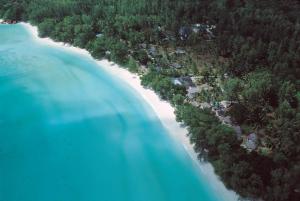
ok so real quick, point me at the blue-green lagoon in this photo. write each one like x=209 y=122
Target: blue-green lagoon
x=69 y=131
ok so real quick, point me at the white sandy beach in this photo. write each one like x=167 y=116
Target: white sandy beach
x=163 y=110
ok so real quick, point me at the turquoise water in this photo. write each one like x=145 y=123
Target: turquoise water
x=71 y=132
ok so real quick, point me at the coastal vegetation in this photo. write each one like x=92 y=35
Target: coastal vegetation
x=244 y=52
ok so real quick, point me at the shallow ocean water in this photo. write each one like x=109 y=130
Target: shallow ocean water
x=71 y=132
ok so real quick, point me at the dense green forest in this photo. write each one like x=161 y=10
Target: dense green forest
x=254 y=51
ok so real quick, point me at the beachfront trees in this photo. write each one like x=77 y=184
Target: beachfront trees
x=141 y=56
x=98 y=47
x=119 y=52
x=83 y=34
x=162 y=85
x=46 y=28
x=132 y=65
x=178 y=99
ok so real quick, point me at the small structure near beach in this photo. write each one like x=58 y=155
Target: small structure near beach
x=251 y=142
x=143 y=46
x=184 y=32
x=176 y=81
x=152 y=51
x=180 y=51
x=185 y=81
x=99 y=35
x=238 y=131
x=176 y=65
x=226 y=104
x=199 y=28
x=205 y=105
x=188 y=83
x=192 y=92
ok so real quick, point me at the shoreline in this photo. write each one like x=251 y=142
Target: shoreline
x=162 y=109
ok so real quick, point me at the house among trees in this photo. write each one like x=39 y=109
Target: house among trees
x=184 y=33
x=251 y=142
x=152 y=51
x=238 y=131
x=143 y=46
x=203 y=87
x=204 y=105
x=176 y=65
x=204 y=28
x=176 y=81
x=226 y=104
x=196 y=28
x=188 y=83
x=222 y=107
x=192 y=92
x=180 y=51
x=99 y=35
